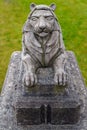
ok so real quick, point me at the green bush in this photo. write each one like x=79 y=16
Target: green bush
x=72 y=15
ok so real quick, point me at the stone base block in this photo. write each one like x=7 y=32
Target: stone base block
x=55 y=112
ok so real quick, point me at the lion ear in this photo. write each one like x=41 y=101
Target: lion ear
x=53 y=6
x=32 y=6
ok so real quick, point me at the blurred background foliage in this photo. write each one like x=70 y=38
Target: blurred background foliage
x=72 y=15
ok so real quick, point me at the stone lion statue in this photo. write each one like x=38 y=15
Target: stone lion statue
x=43 y=45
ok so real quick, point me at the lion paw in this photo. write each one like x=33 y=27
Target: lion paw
x=30 y=79
x=60 y=77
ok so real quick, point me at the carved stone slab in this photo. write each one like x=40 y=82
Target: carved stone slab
x=55 y=112
x=47 y=109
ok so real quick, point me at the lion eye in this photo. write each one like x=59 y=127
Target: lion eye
x=34 y=18
x=49 y=18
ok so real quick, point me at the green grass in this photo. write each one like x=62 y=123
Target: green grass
x=72 y=15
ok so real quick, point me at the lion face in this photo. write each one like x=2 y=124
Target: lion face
x=42 y=22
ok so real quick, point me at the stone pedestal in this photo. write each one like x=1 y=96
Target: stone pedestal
x=45 y=106
x=47 y=103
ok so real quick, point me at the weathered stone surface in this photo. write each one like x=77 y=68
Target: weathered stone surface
x=65 y=115
x=29 y=116
x=12 y=87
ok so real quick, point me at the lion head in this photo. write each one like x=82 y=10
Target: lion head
x=42 y=20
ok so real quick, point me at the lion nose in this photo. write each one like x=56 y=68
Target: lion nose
x=42 y=24
x=42 y=28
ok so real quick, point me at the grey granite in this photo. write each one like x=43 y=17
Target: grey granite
x=10 y=94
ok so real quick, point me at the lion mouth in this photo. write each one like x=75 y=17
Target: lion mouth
x=43 y=34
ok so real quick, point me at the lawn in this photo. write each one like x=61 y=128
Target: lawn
x=72 y=15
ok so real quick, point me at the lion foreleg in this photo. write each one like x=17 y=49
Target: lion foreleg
x=30 y=78
x=60 y=76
